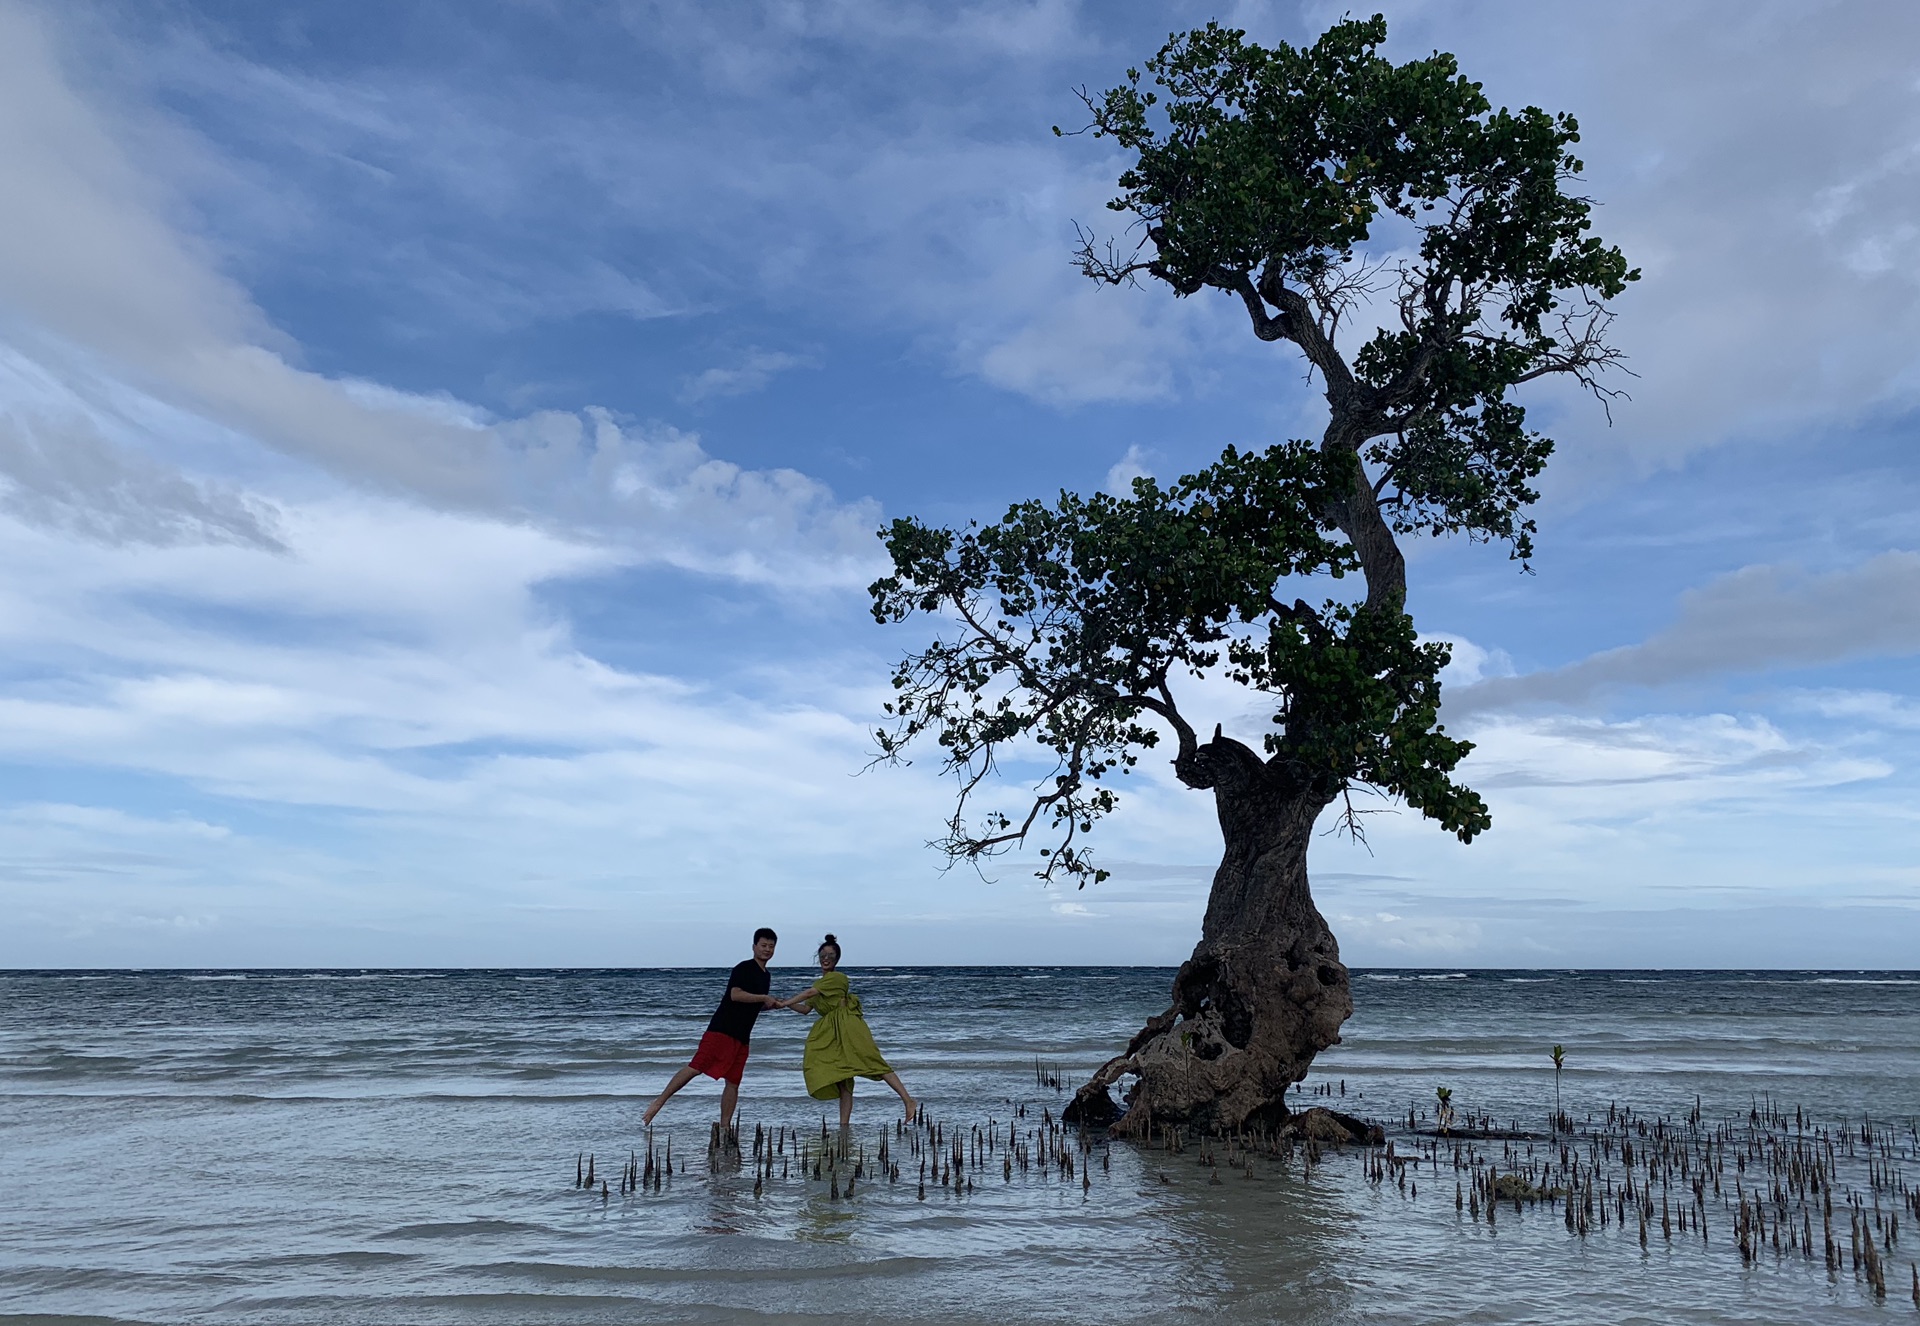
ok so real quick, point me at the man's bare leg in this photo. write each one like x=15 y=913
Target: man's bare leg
x=680 y=1079
x=899 y=1089
x=846 y=1104
x=729 y=1096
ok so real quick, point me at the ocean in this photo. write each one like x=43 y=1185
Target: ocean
x=403 y=1146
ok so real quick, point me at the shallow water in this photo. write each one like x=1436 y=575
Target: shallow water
x=400 y=1147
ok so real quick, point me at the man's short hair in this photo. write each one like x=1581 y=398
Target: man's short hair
x=765 y=932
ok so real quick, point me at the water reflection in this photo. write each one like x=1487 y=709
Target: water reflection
x=824 y=1221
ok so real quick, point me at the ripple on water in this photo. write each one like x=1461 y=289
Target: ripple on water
x=461 y=1229
x=380 y=1148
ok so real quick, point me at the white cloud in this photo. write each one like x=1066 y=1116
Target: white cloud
x=1664 y=840
x=1410 y=940
x=1651 y=761
x=104 y=822
x=255 y=586
x=1758 y=164
x=392 y=684
x=436 y=643
x=62 y=472
x=1760 y=171
x=702 y=188
x=1879 y=709
x=1757 y=618
x=1122 y=473
x=117 y=314
x=753 y=371
x=1470 y=663
x=1082 y=345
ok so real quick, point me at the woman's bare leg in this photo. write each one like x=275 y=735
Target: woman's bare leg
x=846 y=1104
x=913 y=1106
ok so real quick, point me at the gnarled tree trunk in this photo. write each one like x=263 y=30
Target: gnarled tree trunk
x=1264 y=991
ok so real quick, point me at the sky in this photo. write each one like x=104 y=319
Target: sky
x=441 y=447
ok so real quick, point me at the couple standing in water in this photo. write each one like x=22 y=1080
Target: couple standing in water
x=839 y=1046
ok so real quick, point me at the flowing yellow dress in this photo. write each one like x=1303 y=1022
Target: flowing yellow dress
x=839 y=1046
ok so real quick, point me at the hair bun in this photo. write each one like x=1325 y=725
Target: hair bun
x=831 y=940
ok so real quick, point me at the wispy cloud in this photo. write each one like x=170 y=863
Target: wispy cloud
x=1758 y=618
x=753 y=371
x=121 y=315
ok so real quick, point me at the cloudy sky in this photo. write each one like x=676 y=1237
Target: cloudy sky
x=441 y=444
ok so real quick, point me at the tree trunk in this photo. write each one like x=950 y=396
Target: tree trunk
x=1264 y=991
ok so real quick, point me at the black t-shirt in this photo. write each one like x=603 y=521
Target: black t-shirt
x=734 y=1018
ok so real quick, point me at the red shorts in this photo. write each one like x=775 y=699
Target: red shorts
x=720 y=1055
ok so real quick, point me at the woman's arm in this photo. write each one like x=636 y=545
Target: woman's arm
x=800 y=1003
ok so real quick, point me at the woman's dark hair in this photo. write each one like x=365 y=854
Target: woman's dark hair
x=831 y=943
x=765 y=932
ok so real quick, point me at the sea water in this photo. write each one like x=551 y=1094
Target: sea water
x=372 y=1146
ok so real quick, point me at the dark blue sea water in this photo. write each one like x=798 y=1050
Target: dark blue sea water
x=400 y=1147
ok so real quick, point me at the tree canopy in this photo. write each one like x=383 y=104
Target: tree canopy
x=1259 y=171
x=1320 y=187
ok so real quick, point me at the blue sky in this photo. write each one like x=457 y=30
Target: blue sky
x=440 y=450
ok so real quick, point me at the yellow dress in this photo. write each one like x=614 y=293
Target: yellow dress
x=839 y=1046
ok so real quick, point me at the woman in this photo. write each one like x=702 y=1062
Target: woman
x=839 y=1047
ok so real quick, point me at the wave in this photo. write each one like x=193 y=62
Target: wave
x=359 y=976
x=70 y=1319
x=565 y=1271
x=356 y=1257
x=463 y=1229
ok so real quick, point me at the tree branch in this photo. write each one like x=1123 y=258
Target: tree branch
x=1304 y=330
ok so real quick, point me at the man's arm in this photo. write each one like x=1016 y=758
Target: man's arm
x=740 y=996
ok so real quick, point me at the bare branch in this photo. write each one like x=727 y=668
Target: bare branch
x=1585 y=354
x=1349 y=822
x=1338 y=289
x=1110 y=268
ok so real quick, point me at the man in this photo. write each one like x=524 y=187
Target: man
x=723 y=1050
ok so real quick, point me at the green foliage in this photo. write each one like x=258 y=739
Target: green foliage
x=1261 y=171
x=1073 y=620
x=1281 y=176
x=1360 y=703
